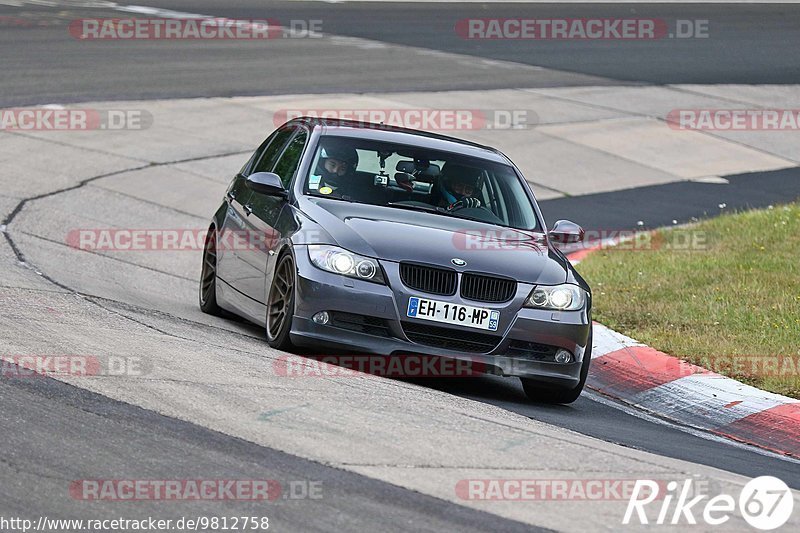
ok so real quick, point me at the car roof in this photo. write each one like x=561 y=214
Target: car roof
x=388 y=133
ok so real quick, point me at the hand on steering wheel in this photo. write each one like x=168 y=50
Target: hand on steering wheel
x=465 y=203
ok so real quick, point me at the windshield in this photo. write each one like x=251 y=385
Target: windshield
x=411 y=177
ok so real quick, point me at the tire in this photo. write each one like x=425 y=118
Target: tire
x=540 y=392
x=280 y=304
x=208 y=275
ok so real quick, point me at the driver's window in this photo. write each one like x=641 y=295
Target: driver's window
x=290 y=159
x=270 y=154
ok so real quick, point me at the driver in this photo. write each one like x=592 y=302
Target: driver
x=335 y=169
x=458 y=185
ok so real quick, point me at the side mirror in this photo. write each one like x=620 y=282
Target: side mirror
x=565 y=232
x=267 y=183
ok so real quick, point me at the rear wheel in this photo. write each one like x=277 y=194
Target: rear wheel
x=540 y=392
x=208 y=275
x=280 y=304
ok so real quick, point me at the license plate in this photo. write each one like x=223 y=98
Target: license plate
x=462 y=315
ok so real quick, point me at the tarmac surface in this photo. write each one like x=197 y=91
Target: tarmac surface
x=209 y=403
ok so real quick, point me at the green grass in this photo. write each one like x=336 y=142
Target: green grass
x=730 y=302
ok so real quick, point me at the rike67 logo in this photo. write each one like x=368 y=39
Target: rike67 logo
x=765 y=503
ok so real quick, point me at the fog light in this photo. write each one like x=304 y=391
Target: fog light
x=563 y=356
x=321 y=318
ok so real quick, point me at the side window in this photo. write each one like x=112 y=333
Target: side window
x=270 y=154
x=290 y=160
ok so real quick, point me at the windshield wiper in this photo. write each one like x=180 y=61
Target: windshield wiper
x=445 y=212
x=416 y=207
x=437 y=211
x=456 y=214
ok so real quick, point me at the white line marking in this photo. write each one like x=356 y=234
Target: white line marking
x=643 y=415
x=605 y=340
x=708 y=400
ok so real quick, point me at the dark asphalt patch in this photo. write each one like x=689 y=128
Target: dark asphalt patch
x=683 y=201
x=52 y=434
x=747 y=44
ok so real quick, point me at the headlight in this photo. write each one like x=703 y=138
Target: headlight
x=340 y=261
x=564 y=297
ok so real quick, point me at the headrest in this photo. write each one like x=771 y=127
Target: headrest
x=420 y=169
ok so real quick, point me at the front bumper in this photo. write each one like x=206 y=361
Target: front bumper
x=318 y=290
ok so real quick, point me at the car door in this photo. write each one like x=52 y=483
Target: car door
x=232 y=265
x=264 y=221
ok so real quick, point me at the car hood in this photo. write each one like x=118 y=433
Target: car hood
x=394 y=234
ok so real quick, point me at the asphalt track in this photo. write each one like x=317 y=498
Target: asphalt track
x=730 y=57
x=682 y=202
x=751 y=44
x=126 y=441
x=48 y=426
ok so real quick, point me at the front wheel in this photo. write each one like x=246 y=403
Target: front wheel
x=537 y=391
x=280 y=304
x=208 y=275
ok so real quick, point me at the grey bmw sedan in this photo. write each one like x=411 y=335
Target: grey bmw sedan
x=340 y=235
